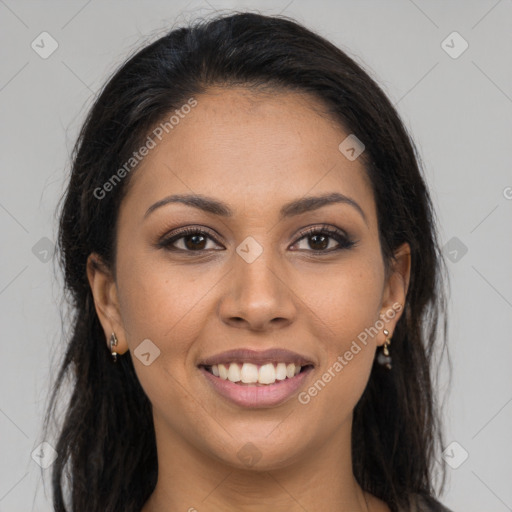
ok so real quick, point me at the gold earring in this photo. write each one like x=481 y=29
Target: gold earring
x=384 y=358
x=113 y=343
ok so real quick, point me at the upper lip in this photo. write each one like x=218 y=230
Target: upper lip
x=245 y=355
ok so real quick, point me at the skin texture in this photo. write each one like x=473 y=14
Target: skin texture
x=255 y=152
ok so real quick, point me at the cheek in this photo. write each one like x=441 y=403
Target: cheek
x=160 y=304
x=158 y=301
x=346 y=305
x=346 y=300
x=348 y=350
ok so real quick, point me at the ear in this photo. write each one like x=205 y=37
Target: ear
x=395 y=290
x=104 y=291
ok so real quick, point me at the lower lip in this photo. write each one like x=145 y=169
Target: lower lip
x=257 y=396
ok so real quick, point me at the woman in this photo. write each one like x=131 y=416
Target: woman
x=252 y=258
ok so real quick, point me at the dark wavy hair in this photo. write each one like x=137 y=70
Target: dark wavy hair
x=396 y=424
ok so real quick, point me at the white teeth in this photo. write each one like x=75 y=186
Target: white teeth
x=281 y=371
x=267 y=374
x=234 y=373
x=249 y=373
x=223 y=371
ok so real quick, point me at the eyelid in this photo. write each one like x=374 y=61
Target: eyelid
x=328 y=228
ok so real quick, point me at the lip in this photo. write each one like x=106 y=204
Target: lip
x=252 y=396
x=258 y=357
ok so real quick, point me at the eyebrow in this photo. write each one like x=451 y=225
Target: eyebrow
x=291 y=209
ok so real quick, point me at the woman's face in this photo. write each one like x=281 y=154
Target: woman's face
x=253 y=280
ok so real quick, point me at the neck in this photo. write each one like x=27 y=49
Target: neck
x=192 y=480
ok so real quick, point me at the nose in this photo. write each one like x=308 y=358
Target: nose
x=258 y=296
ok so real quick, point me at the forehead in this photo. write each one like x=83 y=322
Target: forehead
x=250 y=146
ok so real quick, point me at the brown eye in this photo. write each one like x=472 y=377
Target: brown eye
x=190 y=240
x=193 y=242
x=318 y=240
x=321 y=239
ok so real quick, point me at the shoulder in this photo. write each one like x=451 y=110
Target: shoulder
x=423 y=503
x=417 y=503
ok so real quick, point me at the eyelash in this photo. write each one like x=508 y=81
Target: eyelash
x=343 y=240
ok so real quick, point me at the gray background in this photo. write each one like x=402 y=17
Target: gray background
x=458 y=110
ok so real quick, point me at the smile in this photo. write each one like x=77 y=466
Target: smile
x=249 y=373
x=250 y=385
